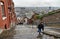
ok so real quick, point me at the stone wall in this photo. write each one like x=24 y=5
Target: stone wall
x=52 y=18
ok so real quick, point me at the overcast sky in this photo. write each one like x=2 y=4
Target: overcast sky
x=36 y=3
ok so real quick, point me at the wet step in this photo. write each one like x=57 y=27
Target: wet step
x=52 y=33
x=24 y=32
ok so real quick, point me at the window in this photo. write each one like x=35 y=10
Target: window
x=3 y=12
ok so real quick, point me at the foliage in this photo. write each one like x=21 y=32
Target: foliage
x=44 y=15
x=39 y=17
x=50 y=13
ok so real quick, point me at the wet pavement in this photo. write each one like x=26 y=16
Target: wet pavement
x=24 y=32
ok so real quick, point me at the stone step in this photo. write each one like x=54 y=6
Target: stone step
x=52 y=33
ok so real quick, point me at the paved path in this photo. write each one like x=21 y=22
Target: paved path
x=24 y=32
x=27 y=32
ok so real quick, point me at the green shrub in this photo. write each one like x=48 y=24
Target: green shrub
x=50 y=13
x=39 y=17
